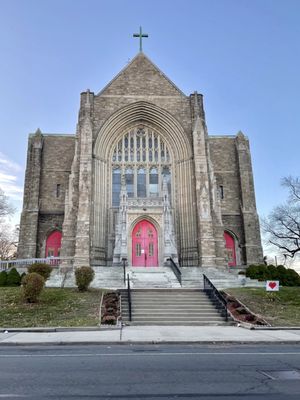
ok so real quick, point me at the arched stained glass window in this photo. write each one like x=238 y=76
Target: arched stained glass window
x=141 y=183
x=116 y=186
x=129 y=178
x=153 y=182
x=143 y=158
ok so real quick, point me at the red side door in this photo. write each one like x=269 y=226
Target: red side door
x=230 y=249
x=53 y=244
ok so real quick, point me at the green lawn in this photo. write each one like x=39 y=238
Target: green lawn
x=278 y=308
x=56 y=307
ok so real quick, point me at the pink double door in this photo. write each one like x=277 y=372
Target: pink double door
x=144 y=245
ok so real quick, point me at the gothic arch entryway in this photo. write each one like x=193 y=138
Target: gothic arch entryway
x=144 y=245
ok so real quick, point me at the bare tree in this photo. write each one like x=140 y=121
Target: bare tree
x=8 y=238
x=282 y=226
x=8 y=242
x=5 y=208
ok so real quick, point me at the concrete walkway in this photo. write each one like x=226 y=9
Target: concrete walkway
x=153 y=334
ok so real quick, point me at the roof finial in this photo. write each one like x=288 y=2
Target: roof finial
x=140 y=35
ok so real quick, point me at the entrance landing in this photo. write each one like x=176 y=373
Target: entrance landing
x=152 y=277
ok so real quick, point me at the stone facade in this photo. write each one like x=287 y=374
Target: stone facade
x=70 y=183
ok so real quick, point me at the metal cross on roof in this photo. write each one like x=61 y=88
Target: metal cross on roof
x=140 y=35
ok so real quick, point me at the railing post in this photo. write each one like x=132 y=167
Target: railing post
x=124 y=269
x=129 y=297
x=214 y=293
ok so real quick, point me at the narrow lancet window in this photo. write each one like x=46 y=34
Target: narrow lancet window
x=116 y=186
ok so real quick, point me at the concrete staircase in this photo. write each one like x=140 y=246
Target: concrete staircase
x=113 y=278
x=105 y=277
x=155 y=278
x=222 y=278
x=170 y=307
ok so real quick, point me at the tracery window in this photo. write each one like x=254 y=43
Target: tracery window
x=143 y=158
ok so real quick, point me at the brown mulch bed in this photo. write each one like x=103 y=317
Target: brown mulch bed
x=241 y=313
x=110 y=310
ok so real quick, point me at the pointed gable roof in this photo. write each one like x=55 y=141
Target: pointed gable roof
x=141 y=77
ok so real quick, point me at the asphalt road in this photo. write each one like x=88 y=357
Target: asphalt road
x=150 y=372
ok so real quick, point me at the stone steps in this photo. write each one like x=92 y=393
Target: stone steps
x=155 y=278
x=152 y=277
x=170 y=307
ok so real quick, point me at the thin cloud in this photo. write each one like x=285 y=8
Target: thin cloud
x=6 y=177
x=9 y=178
x=7 y=164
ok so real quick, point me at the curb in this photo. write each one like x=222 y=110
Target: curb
x=61 y=329
x=152 y=342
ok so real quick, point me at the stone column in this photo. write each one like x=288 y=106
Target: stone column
x=71 y=208
x=85 y=143
x=206 y=232
x=253 y=248
x=27 y=247
x=121 y=231
x=217 y=216
x=170 y=246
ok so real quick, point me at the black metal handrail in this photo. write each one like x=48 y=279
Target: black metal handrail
x=124 y=269
x=175 y=269
x=213 y=292
x=129 y=297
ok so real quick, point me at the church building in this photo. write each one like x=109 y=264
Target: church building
x=140 y=180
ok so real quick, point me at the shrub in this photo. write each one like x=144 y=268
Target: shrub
x=32 y=284
x=84 y=276
x=286 y=277
x=291 y=278
x=22 y=276
x=3 y=278
x=13 y=278
x=272 y=272
x=257 y=272
x=42 y=269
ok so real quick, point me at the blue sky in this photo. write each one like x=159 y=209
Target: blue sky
x=242 y=55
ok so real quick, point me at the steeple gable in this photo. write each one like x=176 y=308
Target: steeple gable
x=141 y=77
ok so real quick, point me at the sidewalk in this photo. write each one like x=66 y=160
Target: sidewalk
x=153 y=334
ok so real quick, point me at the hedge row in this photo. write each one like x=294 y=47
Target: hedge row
x=285 y=276
x=11 y=278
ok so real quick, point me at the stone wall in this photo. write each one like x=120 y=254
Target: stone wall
x=49 y=161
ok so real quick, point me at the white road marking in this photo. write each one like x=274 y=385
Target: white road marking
x=145 y=353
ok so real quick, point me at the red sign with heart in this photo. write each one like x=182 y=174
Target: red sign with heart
x=272 y=285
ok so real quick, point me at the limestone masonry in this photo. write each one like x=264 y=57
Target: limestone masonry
x=142 y=180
